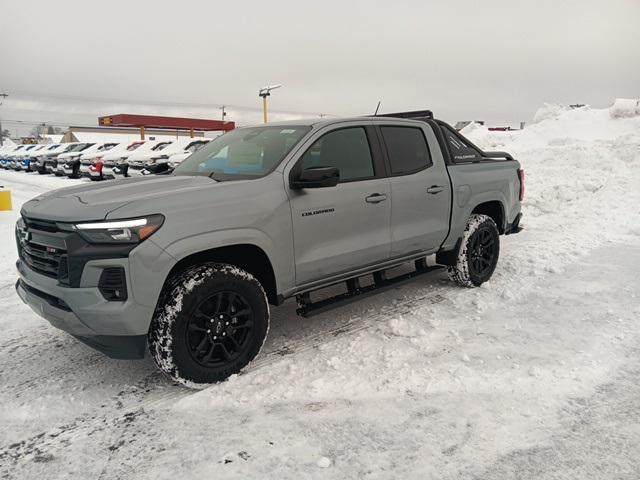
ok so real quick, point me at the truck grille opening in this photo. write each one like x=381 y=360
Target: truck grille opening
x=46 y=259
x=113 y=284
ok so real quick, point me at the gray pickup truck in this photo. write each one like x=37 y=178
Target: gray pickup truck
x=186 y=264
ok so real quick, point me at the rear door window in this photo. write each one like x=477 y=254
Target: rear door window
x=407 y=149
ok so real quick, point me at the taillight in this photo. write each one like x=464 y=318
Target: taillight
x=521 y=177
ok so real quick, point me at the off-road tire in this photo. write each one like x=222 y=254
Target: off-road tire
x=181 y=303
x=465 y=272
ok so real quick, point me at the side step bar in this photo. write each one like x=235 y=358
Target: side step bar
x=307 y=308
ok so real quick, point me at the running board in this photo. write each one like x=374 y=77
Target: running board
x=307 y=308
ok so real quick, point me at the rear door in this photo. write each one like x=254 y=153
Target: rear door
x=420 y=189
x=342 y=228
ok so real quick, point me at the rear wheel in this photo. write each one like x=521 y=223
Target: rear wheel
x=479 y=252
x=210 y=324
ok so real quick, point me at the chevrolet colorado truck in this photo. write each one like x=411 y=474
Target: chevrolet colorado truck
x=185 y=265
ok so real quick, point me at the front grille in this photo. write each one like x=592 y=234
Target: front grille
x=44 y=225
x=42 y=253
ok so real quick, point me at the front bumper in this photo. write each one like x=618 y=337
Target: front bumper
x=116 y=328
x=135 y=170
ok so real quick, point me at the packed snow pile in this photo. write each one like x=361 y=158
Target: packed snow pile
x=624 y=108
x=549 y=111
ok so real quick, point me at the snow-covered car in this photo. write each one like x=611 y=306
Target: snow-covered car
x=32 y=161
x=119 y=167
x=21 y=160
x=137 y=160
x=39 y=162
x=7 y=152
x=69 y=163
x=104 y=169
x=171 y=156
x=90 y=156
x=51 y=161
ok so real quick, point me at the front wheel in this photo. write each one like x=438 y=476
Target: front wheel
x=211 y=322
x=478 y=254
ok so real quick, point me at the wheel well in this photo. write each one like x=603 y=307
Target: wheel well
x=246 y=256
x=494 y=210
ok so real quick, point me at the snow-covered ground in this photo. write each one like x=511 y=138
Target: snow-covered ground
x=535 y=374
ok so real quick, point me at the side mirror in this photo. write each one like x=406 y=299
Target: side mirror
x=466 y=155
x=316 y=177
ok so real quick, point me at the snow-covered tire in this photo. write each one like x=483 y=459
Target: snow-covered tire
x=213 y=306
x=479 y=252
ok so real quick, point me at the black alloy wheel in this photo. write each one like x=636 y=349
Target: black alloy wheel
x=220 y=330
x=482 y=252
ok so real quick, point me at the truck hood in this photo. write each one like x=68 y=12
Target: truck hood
x=90 y=201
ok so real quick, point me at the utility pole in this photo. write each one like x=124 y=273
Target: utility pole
x=265 y=92
x=224 y=114
x=2 y=97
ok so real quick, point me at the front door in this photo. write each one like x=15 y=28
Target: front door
x=342 y=228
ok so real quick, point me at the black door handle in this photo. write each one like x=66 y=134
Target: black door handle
x=433 y=189
x=376 y=198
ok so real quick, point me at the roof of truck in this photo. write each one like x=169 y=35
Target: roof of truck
x=318 y=122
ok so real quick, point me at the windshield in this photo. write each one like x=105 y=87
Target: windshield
x=161 y=146
x=250 y=152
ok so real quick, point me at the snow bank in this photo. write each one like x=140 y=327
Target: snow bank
x=624 y=108
x=549 y=111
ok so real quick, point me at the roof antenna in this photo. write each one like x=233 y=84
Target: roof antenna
x=375 y=114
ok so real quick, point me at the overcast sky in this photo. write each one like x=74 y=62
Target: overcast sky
x=69 y=61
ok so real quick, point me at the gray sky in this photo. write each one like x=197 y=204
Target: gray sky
x=67 y=61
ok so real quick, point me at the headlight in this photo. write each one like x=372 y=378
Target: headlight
x=133 y=230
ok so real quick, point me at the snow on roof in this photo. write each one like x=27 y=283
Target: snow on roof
x=131 y=136
x=8 y=142
x=52 y=139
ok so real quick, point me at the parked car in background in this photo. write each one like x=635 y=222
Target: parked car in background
x=38 y=163
x=71 y=156
x=51 y=163
x=89 y=156
x=104 y=168
x=19 y=163
x=172 y=155
x=73 y=163
x=137 y=160
x=7 y=152
x=121 y=168
x=31 y=161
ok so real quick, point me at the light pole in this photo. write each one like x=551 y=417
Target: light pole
x=265 y=92
x=2 y=97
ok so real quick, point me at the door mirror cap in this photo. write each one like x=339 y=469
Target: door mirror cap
x=316 y=177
